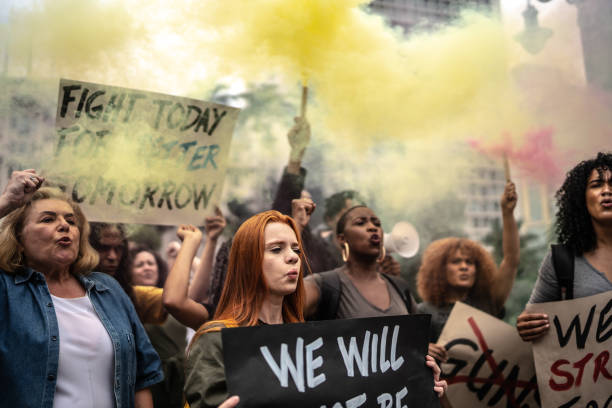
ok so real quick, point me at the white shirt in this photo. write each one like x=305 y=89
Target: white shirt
x=86 y=358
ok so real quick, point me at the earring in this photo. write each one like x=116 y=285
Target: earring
x=345 y=252
x=383 y=253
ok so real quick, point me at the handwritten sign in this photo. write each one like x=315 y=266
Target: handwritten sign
x=573 y=358
x=371 y=362
x=133 y=156
x=488 y=365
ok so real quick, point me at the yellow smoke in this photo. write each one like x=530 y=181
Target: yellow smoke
x=380 y=102
x=370 y=81
x=70 y=32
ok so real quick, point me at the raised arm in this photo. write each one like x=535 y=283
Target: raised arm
x=298 y=137
x=19 y=190
x=292 y=181
x=175 y=298
x=511 y=247
x=213 y=226
x=301 y=211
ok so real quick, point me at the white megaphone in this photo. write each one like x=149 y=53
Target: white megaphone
x=403 y=240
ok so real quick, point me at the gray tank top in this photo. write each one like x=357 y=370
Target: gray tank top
x=352 y=304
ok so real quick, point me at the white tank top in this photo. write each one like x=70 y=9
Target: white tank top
x=86 y=358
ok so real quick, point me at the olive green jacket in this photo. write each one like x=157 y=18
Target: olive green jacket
x=205 y=385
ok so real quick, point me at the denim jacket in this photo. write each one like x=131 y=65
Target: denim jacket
x=29 y=339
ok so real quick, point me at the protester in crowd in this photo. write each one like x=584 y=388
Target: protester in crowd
x=199 y=289
x=459 y=269
x=291 y=199
x=335 y=205
x=148 y=267
x=111 y=243
x=69 y=336
x=582 y=264
x=171 y=252
x=168 y=338
x=264 y=286
x=144 y=282
x=357 y=288
x=175 y=295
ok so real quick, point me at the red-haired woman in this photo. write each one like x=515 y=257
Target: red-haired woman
x=458 y=269
x=263 y=286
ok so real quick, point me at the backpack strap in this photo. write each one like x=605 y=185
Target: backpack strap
x=401 y=287
x=563 y=263
x=329 y=297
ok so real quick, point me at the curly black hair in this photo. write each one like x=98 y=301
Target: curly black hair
x=573 y=226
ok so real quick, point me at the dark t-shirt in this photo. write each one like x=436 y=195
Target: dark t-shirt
x=439 y=315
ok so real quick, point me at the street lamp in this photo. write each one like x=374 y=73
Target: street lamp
x=533 y=37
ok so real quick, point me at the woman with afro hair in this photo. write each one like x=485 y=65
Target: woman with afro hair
x=584 y=229
x=459 y=269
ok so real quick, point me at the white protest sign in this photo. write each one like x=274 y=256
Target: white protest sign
x=488 y=365
x=133 y=156
x=573 y=358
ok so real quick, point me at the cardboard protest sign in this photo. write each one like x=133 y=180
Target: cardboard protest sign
x=133 y=156
x=372 y=362
x=488 y=365
x=573 y=358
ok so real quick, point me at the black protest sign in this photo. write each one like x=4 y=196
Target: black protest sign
x=488 y=364
x=127 y=155
x=370 y=362
x=573 y=359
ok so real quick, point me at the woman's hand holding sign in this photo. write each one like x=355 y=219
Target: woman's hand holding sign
x=440 y=386
x=231 y=402
x=532 y=326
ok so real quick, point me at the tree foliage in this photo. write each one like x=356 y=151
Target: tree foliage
x=532 y=251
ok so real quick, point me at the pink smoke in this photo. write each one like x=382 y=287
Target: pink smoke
x=537 y=159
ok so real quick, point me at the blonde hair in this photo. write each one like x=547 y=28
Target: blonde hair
x=11 y=250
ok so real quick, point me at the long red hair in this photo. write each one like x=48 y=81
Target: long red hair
x=245 y=286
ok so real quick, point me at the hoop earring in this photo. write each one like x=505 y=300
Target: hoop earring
x=383 y=254
x=345 y=252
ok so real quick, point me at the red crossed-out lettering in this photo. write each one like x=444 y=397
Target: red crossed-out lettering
x=497 y=378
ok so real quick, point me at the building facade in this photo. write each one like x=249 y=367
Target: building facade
x=409 y=14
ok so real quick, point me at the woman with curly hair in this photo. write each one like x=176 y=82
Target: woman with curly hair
x=459 y=269
x=584 y=228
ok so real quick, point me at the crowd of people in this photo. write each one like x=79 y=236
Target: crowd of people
x=91 y=320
